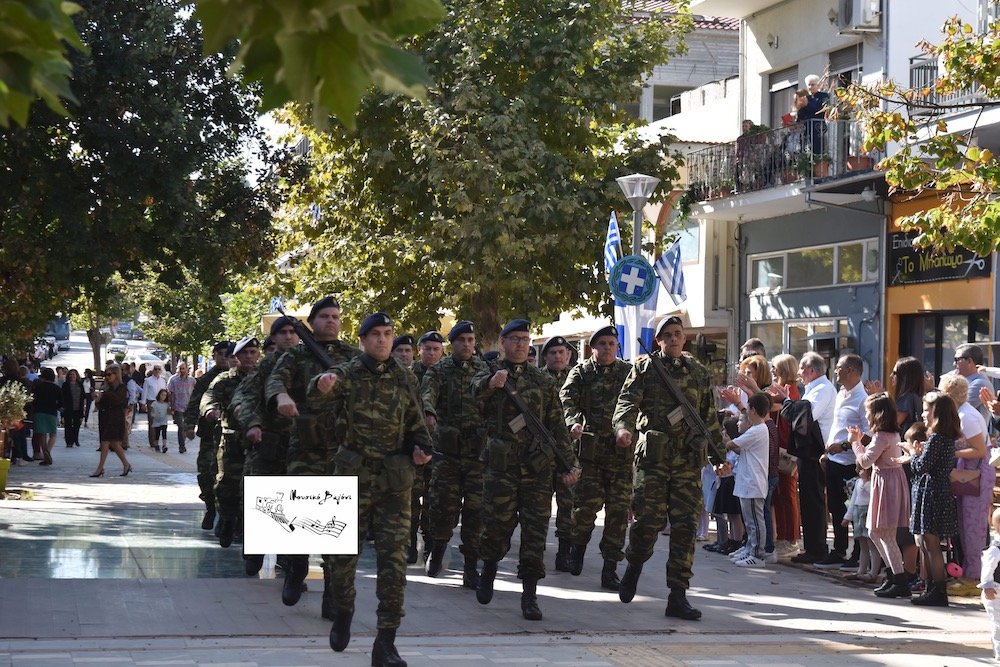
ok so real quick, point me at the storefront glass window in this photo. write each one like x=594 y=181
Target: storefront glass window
x=768 y=273
x=849 y=263
x=810 y=268
x=871 y=260
x=771 y=333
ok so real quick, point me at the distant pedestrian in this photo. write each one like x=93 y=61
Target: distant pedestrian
x=112 y=424
x=159 y=414
x=88 y=394
x=46 y=401
x=151 y=387
x=73 y=400
x=180 y=387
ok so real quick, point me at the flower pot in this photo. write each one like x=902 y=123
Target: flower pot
x=859 y=163
x=821 y=169
x=789 y=177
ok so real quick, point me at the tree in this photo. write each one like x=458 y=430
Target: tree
x=491 y=200
x=148 y=179
x=930 y=156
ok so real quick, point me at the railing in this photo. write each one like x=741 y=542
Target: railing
x=812 y=151
x=923 y=76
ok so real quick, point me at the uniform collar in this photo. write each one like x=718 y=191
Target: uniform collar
x=374 y=366
x=515 y=369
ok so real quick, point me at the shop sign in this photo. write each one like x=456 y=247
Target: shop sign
x=909 y=265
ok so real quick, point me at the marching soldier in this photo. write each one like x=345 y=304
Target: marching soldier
x=216 y=405
x=311 y=445
x=556 y=354
x=402 y=349
x=455 y=418
x=517 y=481
x=589 y=397
x=669 y=458
x=373 y=401
x=266 y=432
x=208 y=432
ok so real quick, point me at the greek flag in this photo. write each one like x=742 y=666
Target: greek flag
x=668 y=268
x=612 y=246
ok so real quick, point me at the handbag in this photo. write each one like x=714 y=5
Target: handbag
x=962 y=486
x=787 y=464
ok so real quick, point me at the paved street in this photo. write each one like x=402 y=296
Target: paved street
x=117 y=571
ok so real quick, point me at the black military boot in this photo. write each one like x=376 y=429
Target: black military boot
x=609 y=577
x=227 y=529
x=208 y=522
x=436 y=560
x=411 y=551
x=252 y=564
x=295 y=575
x=340 y=633
x=384 y=653
x=575 y=560
x=562 y=556
x=628 y=583
x=679 y=607
x=485 y=591
x=470 y=576
x=529 y=601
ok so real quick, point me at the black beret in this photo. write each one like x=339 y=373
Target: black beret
x=221 y=345
x=431 y=337
x=532 y=352
x=515 y=325
x=492 y=355
x=374 y=320
x=325 y=302
x=609 y=330
x=461 y=327
x=555 y=341
x=231 y=349
x=267 y=343
x=280 y=323
x=405 y=339
x=673 y=319
x=244 y=343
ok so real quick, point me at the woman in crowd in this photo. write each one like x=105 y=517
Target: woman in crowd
x=786 y=496
x=74 y=398
x=88 y=394
x=46 y=399
x=111 y=405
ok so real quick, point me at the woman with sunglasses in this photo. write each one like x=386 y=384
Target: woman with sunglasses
x=112 y=402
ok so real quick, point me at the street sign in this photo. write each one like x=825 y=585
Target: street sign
x=632 y=280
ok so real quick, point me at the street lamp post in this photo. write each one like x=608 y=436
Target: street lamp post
x=637 y=188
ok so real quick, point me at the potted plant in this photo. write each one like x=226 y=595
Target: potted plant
x=13 y=397
x=859 y=163
x=821 y=165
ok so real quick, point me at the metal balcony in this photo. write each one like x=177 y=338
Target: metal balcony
x=808 y=152
x=923 y=76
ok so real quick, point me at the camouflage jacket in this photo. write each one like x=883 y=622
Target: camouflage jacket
x=219 y=396
x=590 y=393
x=192 y=415
x=447 y=394
x=372 y=408
x=253 y=411
x=645 y=403
x=297 y=366
x=540 y=395
x=420 y=371
x=558 y=377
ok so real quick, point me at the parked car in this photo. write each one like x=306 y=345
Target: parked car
x=138 y=335
x=63 y=346
x=118 y=345
x=147 y=358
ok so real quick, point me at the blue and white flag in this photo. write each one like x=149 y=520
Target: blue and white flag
x=668 y=268
x=612 y=245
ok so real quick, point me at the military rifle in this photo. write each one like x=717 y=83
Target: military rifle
x=315 y=349
x=691 y=417
x=418 y=406
x=543 y=437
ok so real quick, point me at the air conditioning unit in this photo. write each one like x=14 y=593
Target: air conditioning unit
x=860 y=16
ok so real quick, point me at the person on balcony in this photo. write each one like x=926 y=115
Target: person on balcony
x=812 y=115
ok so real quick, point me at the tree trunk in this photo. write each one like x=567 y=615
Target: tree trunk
x=488 y=320
x=96 y=341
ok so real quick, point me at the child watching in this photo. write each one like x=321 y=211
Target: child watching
x=751 y=476
x=159 y=412
x=870 y=562
x=989 y=581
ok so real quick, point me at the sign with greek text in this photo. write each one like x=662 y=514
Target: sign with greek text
x=908 y=265
x=300 y=515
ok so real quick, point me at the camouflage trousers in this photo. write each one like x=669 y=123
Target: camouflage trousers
x=310 y=461
x=420 y=503
x=208 y=465
x=457 y=490
x=515 y=495
x=229 y=479
x=564 y=508
x=390 y=511
x=605 y=482
x=267 y=459
x=667 y=490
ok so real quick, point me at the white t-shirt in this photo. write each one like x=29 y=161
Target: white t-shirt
x=972 y=422
x=751 y=472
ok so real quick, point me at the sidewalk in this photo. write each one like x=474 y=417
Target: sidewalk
x=118 y=571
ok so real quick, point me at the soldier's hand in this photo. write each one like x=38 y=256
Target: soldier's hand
x=498 y=380
x=576 y=431
x=189 y=434
x=572 y=477
x=235 y=409
x=420 y=457
x=624 y=438
x=325 y=382
x=212 y=415
x=254 y=435
x=431 y=422
x=286 y=406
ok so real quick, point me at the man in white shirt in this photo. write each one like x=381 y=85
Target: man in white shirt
x=968 y=359
x=151 y=386
x=849 y=411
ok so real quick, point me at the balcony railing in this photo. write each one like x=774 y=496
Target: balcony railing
x=923 y=76
x=811 y=152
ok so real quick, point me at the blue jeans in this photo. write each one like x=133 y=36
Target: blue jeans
x=772 y=484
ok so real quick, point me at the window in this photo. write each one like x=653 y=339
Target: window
x=688 y=236
x=666 y=101
x=800 y=336
x=847 y=263
x=782 y=85
x=772 y=334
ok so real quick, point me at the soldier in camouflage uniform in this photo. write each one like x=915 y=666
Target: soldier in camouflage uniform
x=669 y=459
x=265 y=432
x=517 y=481
x=402 y=350
x=430 y=345
x=208 y=432
x=311 y=445
x=216 y=405
x=373 y=402
x=556 y=353
x=456 y=420
x=589 y=397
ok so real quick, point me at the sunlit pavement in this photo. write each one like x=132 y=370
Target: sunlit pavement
x=117 y=571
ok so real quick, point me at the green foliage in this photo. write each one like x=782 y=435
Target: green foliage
x=243 y=311
x=13 y=398
x=34 y=35
x=326 y=53
x=182 y=317
x=491 y=200
x=931 y=158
